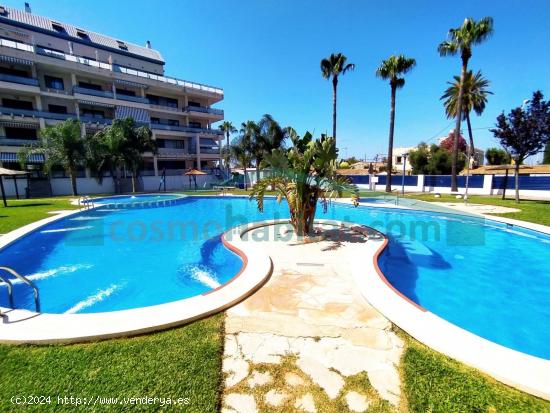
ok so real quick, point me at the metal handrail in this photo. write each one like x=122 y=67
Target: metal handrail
x=10 y=289
x=24 y=280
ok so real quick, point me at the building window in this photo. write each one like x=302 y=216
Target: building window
x=125 y=92
x=195 y=125
x=87 y=85
x=53 y=82
x=399 y=159
x=20 y=133
x=17 y=104
x=82 y=35
x=94 y=113
x=173 y=122
x=57 y=109
x=58 y=28
x=13 y=72
x=155 y=121
x=194 y=104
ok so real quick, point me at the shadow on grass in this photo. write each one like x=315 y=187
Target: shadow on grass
x=30 y=205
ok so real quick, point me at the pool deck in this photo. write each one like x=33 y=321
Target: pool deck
x=298 y=341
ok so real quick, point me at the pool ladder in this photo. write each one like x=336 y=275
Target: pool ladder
x=24 y=280
x=85 y=202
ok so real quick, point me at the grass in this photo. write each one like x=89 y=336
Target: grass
x=21 y=212
x=435 y=383
x=532 y=211
x=184 y=362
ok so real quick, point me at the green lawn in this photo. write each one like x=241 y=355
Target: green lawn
x=181 y=363
x=532 y=211
x=21 y=212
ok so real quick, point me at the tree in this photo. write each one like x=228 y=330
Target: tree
x=117 y=146
x=474 y=97
x=432 y=160
x=497 y=156
x=524 y=131
x=334 y=66
x=449 y=141
x=62 y=144
x=227 y=128
x=304 y=175
x=269 y=136
x=344 y=165
x=546 y=157
x=461 y=40
x=419 y=159
x=391 y=69
x=241 y=152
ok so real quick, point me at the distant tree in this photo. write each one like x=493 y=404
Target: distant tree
x=393 y=69
x=432 y=160
x=546 y=157
x=474 y=98
x=497 y=156
x=525 y=131
x=227 y=128
x=62 y=145
x=332 y=67
x=419 y=159
x=461 y=40
x=343 y=165
x=241 y=151
x=448 y=143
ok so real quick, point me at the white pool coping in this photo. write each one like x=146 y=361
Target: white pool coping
x=23 y=326
x=525 y=372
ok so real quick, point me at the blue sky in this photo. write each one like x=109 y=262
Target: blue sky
x=266 y=53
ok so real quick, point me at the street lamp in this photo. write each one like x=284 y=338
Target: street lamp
x=404 y=155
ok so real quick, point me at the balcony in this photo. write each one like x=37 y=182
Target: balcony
x=210 y=151
x=93 y=92
x=162 y=126
x=93 y=119
x=4 y=141
x=171 y=152
x=129 y=98
x=19 y=112
x=30 y=81
x=200 y=109
x=58 y=116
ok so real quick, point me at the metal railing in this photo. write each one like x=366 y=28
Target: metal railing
x=93 y=92
x=19 y=112
x=30 y=81
x=186 y=129
x=23 y=279
x=85 y=202
x=93 y=119
x=112 y=67
x=5 y=141
x=129 y=98
x=201 y=109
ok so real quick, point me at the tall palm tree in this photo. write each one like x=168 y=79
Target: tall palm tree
x=227 y=128
x=333 y=67
x=391 y=69
x=474 y=97
x=461 y=40
x=241 y=150
x=269 y=135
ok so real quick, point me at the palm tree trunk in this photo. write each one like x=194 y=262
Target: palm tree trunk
x=516 y=169
x=470 y=135
x=244 y=166
x=334 y=97
x=72 y=173
x=469 y=153
x=454 y=186
x=227 y=159
x=134 y=182
x=390 y=140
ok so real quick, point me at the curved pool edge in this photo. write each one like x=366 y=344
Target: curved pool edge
x=522 y=371
x=27 y=327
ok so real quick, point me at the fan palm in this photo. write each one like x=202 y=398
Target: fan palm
x=391 y=69
x=241 y=150
x=474 y=97
x=461 y=40
x=334 y=66
x=227 y=128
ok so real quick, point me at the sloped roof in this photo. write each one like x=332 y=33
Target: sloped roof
x=23 y=18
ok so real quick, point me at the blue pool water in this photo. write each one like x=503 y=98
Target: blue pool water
x=486 y=277
x=133 y=199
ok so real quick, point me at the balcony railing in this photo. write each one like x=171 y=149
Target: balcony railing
x=93 y=92
x=201 y=109
x=163 y=126
x=30 y=81
x=114 y=68
x=19 y=112
x=132 y=98
x=4 y=141
x=93 y=119
x=210 y=151
x=172 y=152
x=58 y=116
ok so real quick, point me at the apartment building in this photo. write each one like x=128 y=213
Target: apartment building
x=51 y=71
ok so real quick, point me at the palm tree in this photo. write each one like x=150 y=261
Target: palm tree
x=241 y=151
x=227 y=128
x=391 y=69
x=461 y=40
x=474 y=97
x=138 y=141
x=267 y=135
x=304 y=175
x=61 y=144
x=333 y=67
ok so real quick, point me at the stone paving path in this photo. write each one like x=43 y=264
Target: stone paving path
x=307 y=341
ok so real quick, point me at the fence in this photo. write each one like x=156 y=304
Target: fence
x=529 y=185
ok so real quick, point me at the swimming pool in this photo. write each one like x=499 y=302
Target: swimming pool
x=483 y=276
x=133 y=199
